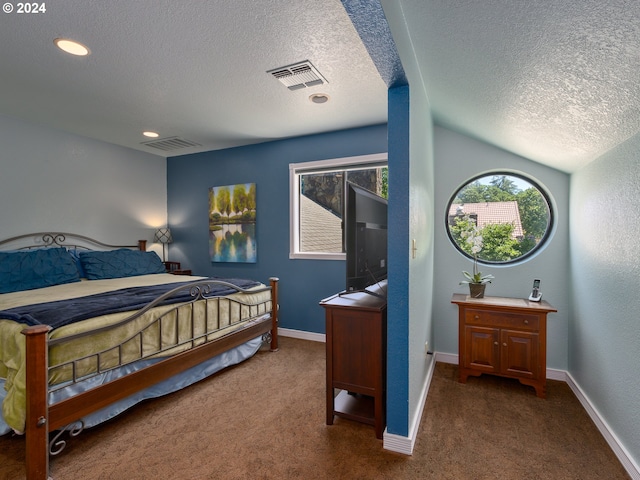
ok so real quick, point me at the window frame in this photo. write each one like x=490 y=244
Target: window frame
x=359 y=162
x=544 y=241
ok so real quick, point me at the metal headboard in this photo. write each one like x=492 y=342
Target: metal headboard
x=30 y=241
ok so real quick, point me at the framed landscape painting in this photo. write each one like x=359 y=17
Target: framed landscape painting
x=232 y=223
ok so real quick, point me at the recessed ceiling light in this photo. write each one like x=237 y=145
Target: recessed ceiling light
x=319 y=98
x=151 y=134
x=69 y=46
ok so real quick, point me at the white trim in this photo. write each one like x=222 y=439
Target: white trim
x=317 y=256
x=554 y=374
x=397 y=443
x=446 y=358
x=314 y=337
x=610 y=437
x=339 y=162
x=294 y=208
x=400 y=444
x=297 y=169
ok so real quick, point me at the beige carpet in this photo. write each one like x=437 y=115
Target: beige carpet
x=265 y=419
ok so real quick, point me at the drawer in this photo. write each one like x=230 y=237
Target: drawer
x=501 y=319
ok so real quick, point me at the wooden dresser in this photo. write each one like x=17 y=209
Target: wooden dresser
x=503 y=336
x=356 y=343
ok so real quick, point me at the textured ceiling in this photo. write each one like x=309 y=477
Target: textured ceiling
x=555 y=81
x=190 y=69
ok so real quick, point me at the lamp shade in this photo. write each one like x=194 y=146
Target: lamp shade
x=163 y=235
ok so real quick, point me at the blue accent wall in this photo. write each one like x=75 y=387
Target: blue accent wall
x=303 y=283
x=398 y=272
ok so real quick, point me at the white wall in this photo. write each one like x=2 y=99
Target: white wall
x=421 y=260
x=604 y=332
x=51 y=180
x=457 y=159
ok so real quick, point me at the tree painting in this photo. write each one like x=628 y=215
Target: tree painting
x=232 y=223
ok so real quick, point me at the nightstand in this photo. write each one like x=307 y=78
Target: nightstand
x=505 y=337
x=181 y=272
x=174 y=268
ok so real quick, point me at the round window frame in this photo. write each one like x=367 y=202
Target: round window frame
x=531 y=253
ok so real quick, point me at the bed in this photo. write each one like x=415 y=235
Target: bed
x=89 y=329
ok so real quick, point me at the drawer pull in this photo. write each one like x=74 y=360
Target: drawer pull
x=477 y=317
x=526 y=322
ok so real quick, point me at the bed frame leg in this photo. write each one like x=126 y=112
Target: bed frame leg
x=37 y=413
x=274 y=313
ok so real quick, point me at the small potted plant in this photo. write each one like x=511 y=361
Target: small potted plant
x=477 y=282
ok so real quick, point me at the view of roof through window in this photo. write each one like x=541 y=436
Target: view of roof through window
x=511 y=213
x=322 y=203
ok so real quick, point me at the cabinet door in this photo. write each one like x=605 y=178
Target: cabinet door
x=520 y=354
x=356 y=342
x=481 y=349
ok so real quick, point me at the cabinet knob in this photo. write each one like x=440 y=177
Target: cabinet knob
x=504 y=344
x=526 y=322
x=495 y=343
x=477 y=317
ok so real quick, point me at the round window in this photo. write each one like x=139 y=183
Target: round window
x=510 y=213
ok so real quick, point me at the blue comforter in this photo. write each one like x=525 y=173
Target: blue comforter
x=64 y=312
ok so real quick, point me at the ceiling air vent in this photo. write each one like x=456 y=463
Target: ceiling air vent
x=171 y=143
x=299 y=75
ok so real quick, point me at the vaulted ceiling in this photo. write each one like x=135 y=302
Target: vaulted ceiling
x=553 y=81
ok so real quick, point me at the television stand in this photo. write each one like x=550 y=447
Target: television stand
x=356 y=341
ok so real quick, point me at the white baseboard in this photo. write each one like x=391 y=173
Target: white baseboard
x=314 y=337
x=446 y=358
x=400 y=444
x=554 y=374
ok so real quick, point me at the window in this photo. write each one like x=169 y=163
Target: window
x=316 y=201
x=512 y=212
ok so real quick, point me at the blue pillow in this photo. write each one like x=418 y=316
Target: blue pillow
x=29 y=269
x=120 y=263
x=75 y=254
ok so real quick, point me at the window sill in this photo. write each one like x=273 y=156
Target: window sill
x=316 y=256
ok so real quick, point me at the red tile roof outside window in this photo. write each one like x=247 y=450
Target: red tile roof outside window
x=491 y=212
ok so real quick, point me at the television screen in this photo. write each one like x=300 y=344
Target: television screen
x=365 y=223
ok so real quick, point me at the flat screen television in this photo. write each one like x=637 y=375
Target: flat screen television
x=365 y=224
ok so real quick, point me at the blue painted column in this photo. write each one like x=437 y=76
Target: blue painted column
x=398 y=271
